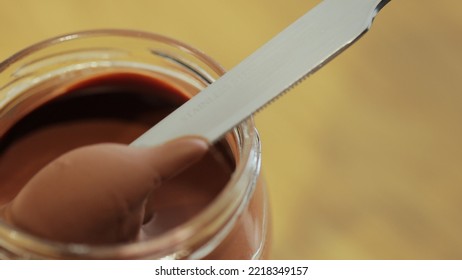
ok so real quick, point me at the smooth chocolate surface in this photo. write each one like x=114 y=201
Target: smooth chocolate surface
x=110 y=108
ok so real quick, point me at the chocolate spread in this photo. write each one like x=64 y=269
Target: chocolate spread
x=66 y=172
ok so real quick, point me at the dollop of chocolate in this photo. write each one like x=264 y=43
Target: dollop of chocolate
x=98 y=194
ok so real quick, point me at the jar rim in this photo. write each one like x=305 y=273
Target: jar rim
x=226 y=204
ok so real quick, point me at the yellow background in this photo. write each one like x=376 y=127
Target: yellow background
x=363 y=160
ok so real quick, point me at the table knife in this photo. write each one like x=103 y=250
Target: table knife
x=292 y=55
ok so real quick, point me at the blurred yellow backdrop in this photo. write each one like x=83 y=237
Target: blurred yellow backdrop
x=363 y=160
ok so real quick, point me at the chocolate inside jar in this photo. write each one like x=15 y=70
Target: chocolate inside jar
x=114 y=107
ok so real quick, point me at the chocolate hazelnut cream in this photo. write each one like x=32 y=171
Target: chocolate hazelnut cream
x=67 y=173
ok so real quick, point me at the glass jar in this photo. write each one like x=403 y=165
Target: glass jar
x=235 y=225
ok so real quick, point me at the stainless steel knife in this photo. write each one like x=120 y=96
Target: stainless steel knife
x=299 y=50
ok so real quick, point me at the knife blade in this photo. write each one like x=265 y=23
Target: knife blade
x=298 y=51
